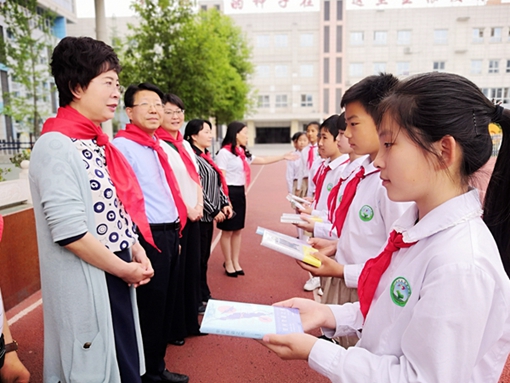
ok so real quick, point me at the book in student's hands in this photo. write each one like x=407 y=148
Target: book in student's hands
x=297 y=202
x=249 y=320
x=290 y=246
x=296 y=218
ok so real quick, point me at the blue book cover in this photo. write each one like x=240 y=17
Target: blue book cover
x=248 y=320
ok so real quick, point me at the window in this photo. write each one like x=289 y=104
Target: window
x=325 y=95
x=493 y=66
x=497 y=95
x=326 y=11
x=262 y=41
x=379 y=68
x=477 y=35
x=356 y=69
x=404 y=37
x=338 y=100
x=203 y=7
x=403 y=68
x=281 y=101
x=438 y=66
x=380 y=37
x=339 y=10
x=306 y=40
x=326 y=39
x=440 y=36
x=280 y=70
x=507 y=66
x=496 y=34
x=339 y=38
x=306 y=70
x=326 y=70
x=262 y=71
x=263 y=101
x=476 y=66
x=356 y=38
x=281 y=41
x=306 y=100
x=338 y=70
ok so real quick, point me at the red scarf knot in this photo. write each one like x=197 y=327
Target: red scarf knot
x=246 y=166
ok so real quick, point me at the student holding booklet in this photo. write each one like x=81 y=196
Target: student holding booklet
x=434 y=303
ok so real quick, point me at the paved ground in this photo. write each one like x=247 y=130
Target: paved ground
x=269 y=277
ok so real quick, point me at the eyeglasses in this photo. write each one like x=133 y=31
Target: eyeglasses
x=147 y=106
x=177 y=112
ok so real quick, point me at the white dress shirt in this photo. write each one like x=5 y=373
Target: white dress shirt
x=454 y=325
x=233 y=167
x=332 y=178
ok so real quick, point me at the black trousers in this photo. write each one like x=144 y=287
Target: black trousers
x=184 y=318
x=206 y=234
x=156 y=299
x=124 y=325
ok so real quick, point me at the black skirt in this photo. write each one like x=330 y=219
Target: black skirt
x=238 y=201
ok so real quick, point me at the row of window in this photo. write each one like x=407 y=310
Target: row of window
x=264 y=71
x=282 y=40
x=440 y=36
x=402 y=67
x=281 y=101
x=497 y=95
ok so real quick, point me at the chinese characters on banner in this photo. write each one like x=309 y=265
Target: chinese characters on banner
x=387 y=4
x=270 y=6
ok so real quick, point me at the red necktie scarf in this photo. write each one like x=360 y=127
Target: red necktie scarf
x=207 y=157
x=311 y=156
x=333 y=194
x=186 y=158
x=375 y=268
x=318 y=174
x=347 y=197
x=246 y=166
x=72 y=124
x=320 y=183
x=135 y=134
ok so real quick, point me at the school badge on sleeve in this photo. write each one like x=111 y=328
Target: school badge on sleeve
x=400 y=291
x=366 y=213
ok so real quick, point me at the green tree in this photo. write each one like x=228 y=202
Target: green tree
x=25 y=52
x=203 y=58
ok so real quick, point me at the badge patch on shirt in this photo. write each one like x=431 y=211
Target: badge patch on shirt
x=329 y=187
x=366 y=213
x=400 y=291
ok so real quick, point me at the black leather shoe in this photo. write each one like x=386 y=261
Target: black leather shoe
x=177 y=342
x=174 y=377
x=231 y=275
x=239 y=272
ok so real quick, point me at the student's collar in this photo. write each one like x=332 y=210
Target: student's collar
x=338 y=161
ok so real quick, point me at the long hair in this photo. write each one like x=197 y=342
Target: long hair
x=231 y=137
x=194 y=127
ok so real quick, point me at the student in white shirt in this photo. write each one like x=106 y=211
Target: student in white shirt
x=234 y=160
x=295 y=169
x=308 y=156
x=438 y=310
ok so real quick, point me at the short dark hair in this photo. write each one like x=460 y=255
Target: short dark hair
x=312 y=123
x=173 y=99
x=369 y=92
x=129 y=96
x=297 y=135
x=76 y=61
x=342 y=124
x=194 y=127
x=331 y=125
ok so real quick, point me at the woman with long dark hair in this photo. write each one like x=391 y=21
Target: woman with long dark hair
x=235 y=160
x=215 y=194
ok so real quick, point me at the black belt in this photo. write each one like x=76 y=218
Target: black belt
x=165 y=226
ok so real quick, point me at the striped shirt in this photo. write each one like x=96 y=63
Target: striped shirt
x=214 y=198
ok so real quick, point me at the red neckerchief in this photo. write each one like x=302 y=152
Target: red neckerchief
x=72 y=124
x=375 y=268
x=133 y=133
x=311 y=156
x=246 y=166
x=186 y=158
x=207 y=156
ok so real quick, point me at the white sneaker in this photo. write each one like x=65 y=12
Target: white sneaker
x=312 y=284
x=320 y=292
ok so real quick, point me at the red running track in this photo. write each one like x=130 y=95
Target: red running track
x=270 y=277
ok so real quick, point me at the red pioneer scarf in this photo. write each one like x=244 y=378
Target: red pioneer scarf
x=246 y=166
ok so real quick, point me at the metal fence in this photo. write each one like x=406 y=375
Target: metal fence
x=11 y=146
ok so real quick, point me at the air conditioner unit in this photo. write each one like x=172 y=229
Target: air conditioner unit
x=407 y=50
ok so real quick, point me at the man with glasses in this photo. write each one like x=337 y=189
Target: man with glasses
x=166 y=214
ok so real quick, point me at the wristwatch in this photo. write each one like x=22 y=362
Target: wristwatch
x=11 y=346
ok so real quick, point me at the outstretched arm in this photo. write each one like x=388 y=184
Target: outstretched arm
x=266 y=160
